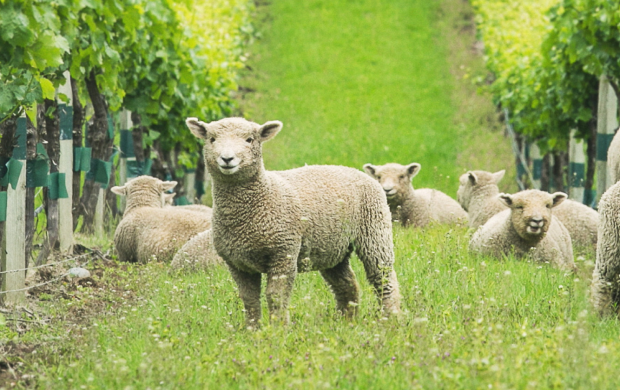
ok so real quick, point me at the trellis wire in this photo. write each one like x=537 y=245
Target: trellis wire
x=45 y=265
x=49 y=281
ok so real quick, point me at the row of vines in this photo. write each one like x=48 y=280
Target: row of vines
x=546 y=58
x=160 y=60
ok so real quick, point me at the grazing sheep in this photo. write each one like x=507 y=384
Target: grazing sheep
x=528 y=228
x=478 y=191
x=148 y=230
x=197 y=253
x=168 y=201
x=478 y=195
x=414 y=207
x=282 y=223
x=605 y=290
x=613 y=158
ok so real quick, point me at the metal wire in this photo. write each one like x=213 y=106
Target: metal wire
x=47 y=282
x=44 y=265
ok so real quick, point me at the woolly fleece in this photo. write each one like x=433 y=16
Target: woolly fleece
x=414 y=207
x=148 y=231
x=528 y=229
x=304 y=219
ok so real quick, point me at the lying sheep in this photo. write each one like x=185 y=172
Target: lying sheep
x=304 y=219
x=605 y=290
x=168 y=201
x=478 y=191
x=528 y=229
x=478 y=195
x=613 y=158
x=198 y=253
x=414 y=207
x=148 y=230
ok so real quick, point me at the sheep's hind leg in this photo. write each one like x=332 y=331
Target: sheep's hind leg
x=280 y=280
x=249 y=292
x=376 y=252
x=343 y=283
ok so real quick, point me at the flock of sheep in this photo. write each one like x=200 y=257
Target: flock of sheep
x=280 y=223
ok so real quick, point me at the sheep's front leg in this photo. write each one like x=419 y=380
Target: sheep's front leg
x=249 y=292
x=280 y=279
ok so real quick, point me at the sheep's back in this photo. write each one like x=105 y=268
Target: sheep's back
x=444 y=209
x=580 y=220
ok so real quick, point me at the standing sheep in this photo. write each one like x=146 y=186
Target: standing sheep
x=527 y=228
x=613 y=158
x=414 y=207
x=282 y=223
x=478 y=191
x=148 y=230
x=478 y=195
x=605 y=291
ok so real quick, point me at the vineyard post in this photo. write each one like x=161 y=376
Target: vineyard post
x=127 y=152
x=65 y=166
x=536 y=165
x=99 y=211
x=607 y=123
x=15 y=231
x=576 y=168
x=190 y=185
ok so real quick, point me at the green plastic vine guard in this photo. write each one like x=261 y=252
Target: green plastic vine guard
x=57 y=186
x=3 y=206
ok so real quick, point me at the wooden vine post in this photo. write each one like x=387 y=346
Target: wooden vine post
x=15 y=231
x=127 y=152
x=190 y=185
x=65 y=166
x=536 y=165
x=576 y=168
x=606 y=125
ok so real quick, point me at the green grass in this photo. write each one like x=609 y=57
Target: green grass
x=357 y=82
x=469 y=323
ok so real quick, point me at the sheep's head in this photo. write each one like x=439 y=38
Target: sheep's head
x=471 y=181
x=531 y=212
x=394 y=178
x=144 y=191
x=233 y=146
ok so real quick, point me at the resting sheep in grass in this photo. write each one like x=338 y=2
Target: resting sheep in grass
x=478 y=195
x=168 y=200
x=282 y=223
x=197 y=253
x=527 y=228
x=606 y=277
x=414 y=207
x=613 y=158
x=148 y=230
x=478 y=191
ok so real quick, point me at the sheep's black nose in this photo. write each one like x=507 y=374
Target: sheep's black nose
x=227 y=159
x=537 y=219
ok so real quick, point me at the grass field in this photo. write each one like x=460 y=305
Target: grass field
x=353 y=82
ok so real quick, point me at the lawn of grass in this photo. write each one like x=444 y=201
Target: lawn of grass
x=354 y=82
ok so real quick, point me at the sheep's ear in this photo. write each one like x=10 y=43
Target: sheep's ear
x=497 y=176
x=558 y=198
x=506 y=199
x=269 y=130
x=413 y=169
x=169 y=196
x=198 y=128
x=473 y=179
x=370 y=169
x=119 y=190
x=168 y=185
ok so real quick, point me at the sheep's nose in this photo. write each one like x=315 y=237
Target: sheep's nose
x=537 y=220
x=227 y=160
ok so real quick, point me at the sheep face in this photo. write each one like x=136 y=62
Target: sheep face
x=394 y=178
x=531 y=212
x=233 y=146
x=471 y=181
x=144 y=190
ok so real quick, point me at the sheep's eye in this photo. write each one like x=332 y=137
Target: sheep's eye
x=548 y=206
x=519 y=207
x=249 y=140
x=378 y=177
x=212 y=139
x=401 y=177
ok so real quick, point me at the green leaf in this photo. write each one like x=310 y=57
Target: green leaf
x=48 y=89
